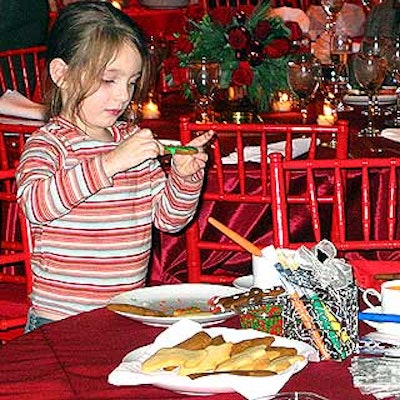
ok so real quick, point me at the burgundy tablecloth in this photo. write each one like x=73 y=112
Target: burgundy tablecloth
x=157 y=21
x=71 y=359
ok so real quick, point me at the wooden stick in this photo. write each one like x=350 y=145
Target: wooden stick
x=387 y=277
x=238 y=239
x=309 y=324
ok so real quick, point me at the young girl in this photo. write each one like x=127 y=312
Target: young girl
x=90 y=186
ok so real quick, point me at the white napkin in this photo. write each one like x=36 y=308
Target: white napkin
x=15 y=104
x=292 y=14
x=300 y=146
x=129 y=371
x=391 y=134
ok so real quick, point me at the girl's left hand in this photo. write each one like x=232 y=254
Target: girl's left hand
x=187 y=165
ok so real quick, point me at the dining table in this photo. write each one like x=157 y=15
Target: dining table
x=72 y=359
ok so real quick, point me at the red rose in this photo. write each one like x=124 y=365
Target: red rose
x=170 y=63
x=238 y=38
x=295 y=30
x=179 y=75
x=195 y=13
x=243 y=75
x=262 y=30
x=277 y=48
x=246 y=9
x=183 y=44
x=221 y=15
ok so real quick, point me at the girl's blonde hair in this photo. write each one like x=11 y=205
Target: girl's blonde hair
x=87 y=36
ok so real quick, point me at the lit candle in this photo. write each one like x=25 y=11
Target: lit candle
x=150 y=110
x=328 y=117
x=117 y=4
x=283 y=103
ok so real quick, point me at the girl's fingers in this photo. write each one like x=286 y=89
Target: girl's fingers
x=200 y=141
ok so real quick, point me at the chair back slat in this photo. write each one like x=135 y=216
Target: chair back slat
x=365 y=198
x=392 y=218
x=312 y=194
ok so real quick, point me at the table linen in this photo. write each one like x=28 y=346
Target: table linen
x=71 y=359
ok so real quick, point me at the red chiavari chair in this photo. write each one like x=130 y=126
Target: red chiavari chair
x=21 y=70
x=363 y=197
x=239 y=195
x=15 y=287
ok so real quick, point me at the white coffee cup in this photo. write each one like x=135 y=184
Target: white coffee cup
x=389 y=297
x=265 y=275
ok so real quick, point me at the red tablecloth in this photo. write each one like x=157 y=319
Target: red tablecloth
x=71 y=359
x=156 y=21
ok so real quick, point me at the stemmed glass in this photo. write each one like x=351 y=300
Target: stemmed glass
x=341 y=47
x=332 y=9
x=303 y=75
x=334 y=79
x=158 y=51
x=204 y=77
x=369 y=71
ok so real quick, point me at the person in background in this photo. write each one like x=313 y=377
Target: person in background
x=24 y=23
x=384 y=20
x=91 y=186
x=350 y=21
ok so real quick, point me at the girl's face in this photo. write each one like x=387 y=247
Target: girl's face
x=102 y=108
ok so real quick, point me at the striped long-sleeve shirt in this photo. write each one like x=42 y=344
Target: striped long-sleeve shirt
x=92 y=234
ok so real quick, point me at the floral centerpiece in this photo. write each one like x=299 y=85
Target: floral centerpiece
x=252 y=48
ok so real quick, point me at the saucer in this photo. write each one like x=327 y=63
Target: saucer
x=388 y=328
x=244 y=282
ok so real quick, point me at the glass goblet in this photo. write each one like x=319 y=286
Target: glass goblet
x=369 y=71
x=204 y=77
x=303 y=78
x=332 y=9
x=334 y=81
x=341 y=48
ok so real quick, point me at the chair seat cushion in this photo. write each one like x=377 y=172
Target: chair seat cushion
x=13 y=300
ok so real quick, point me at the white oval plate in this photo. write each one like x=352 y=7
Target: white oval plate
x=362 y=100
x=388 y=328
x=129 y=371
x=244 y=282
x=168 y=298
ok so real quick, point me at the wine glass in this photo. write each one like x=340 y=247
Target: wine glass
x=341 y=48
x=303 y=75
x=382 y=47
x=204 y=77
x=369 y=71
x=158 y=51
x=334 y=81
x=332 y=9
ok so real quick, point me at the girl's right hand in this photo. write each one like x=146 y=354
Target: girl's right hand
x=131 y=152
